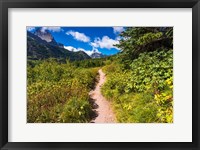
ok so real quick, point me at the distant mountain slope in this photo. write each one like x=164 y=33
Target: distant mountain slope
x=42 y=46
x=97 y=54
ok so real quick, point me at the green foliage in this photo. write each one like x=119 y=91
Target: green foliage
x=148 y=37
x=59 y=92
x=151 y=69
x=136 y=40
x=142 y=93
x=89 y=63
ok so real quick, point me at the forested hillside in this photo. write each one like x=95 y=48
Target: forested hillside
x=39 y=49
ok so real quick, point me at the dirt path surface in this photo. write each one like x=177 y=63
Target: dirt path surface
x=104 y=113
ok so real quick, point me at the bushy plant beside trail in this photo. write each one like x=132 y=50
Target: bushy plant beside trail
x=59 y=92
x=143 y=93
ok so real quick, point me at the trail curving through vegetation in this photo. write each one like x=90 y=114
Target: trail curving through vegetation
x=104 y=113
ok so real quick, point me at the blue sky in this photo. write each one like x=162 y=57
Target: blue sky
x=101 y=39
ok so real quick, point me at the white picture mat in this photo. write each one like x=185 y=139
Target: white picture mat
x=179 y=131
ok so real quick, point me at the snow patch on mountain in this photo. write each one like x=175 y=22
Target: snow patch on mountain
x=92 y=53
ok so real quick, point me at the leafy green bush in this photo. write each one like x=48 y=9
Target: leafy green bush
x=59 y=92
x=142 y=93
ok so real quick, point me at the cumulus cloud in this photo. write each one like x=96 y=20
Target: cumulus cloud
x=105 y=42
x=118 y=29
x=71 y=48
x=118 y=38
x=88 y=52
x=53 y=29
x=30 y=28
x=78 y=36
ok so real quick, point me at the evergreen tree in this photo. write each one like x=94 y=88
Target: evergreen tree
x=136 y=40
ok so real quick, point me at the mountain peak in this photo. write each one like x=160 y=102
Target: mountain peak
x=44 y=35
x=95 y=51
x=96 y=54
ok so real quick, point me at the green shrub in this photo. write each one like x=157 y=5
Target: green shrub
x=59 y=92
x=143 y=93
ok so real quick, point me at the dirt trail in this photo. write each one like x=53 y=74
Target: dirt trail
x=103 y=108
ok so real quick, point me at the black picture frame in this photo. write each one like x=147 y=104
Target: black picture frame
x=6 y=4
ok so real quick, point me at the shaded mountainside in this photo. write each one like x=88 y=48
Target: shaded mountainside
x=38 y=48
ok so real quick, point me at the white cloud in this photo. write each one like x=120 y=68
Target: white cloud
x=118 y=38
x=89 y=52
x=70 y=48
x=53 y=29
x=118 y=29
x=30 y=28
x=78 y=36
x=94 y=44
x=105 y=42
